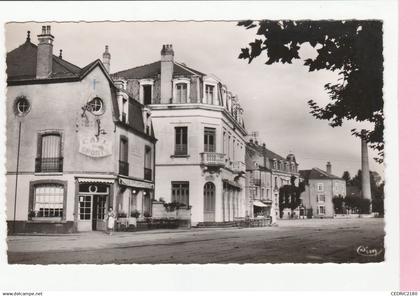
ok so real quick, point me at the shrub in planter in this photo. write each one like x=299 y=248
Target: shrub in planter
x=135 y=214
x=122 y=215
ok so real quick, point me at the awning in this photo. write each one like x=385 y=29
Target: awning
x=96 y=180
x=257 y=203
x=135 y=183
x=232 y=183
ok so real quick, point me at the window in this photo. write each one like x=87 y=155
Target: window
x=320 y=198
x=275 y=182
x=148 y=163
x=85 y=207
x=181 y=192
x=209 y=139
x=210 y=94
x=321 y=210
x=48 y=201
x=181 y=92
x=181 y=140
x=320 y=187
x=96 y=106
x=49 y=153
x=22 y=105
x=123 y=167
x=147 y=94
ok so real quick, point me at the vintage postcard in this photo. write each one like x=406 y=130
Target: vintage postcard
x=255 y=141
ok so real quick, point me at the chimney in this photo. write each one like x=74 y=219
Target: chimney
x=45 y=53
x=366 y=193
x=264 y=153
x=166 y=73
x=329 y=167
x=106 y=59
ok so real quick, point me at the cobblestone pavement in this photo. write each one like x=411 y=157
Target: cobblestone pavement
x=294 y=241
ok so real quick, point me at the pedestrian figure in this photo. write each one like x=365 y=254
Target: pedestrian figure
x=110 y=221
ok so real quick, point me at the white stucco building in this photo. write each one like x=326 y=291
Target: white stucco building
x=200 y=153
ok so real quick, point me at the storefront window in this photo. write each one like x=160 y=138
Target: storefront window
x=85 y=203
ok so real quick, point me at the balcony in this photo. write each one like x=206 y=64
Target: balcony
x=257 y=182
x=48 y=165
x=238 y=167
x=123 y=168
x=213 y=159
x=147 y=174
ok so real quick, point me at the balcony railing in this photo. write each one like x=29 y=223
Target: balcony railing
x=123 y=168
x=238 y=166
x=48 y=165
x=148 y=174
x=213 y=159
x=181 y=149
x=257 y=182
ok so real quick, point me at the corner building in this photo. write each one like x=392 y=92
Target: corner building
x=76 y=144
x=200 y=155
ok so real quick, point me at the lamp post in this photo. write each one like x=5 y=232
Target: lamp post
x=17 y=178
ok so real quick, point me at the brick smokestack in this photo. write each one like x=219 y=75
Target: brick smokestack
x=45 y=53
x=166 y=73
x=106 y=59
x=329 y=168
x=366 y=193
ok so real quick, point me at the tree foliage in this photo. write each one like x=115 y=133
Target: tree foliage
x=289 y=195
x=346 y=177
x=353 y=48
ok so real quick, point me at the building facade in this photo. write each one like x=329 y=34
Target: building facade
x=320 y=189
x=266 y=173
x=200 y=156
x=76 y=143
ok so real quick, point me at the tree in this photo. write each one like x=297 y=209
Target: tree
x=346 y=177
x=353 y=48
x=289 y=195
x=338 y=203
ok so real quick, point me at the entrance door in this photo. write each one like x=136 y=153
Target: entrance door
x=98 y=211
x=209 y=202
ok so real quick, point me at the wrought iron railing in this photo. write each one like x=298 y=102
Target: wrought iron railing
x=181 y=149
x=148 y=174
x=123 y=168
x=48 y=164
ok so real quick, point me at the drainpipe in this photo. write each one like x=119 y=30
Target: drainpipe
x=154 y=177
x=17 y=178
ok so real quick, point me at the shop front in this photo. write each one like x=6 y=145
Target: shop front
x=134 y=200
x=94 y=198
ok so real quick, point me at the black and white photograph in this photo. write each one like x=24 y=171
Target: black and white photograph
x=181 y=142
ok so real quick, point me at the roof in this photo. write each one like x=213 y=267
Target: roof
x=268 y=153
x=21 y=64
x=316 y=173
x=153 y=70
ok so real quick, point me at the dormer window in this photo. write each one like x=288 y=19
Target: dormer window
x=181 y=92
x=210 y=94
x=146 y=91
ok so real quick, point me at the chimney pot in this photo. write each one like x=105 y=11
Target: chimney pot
x=106 y=59
x=44 y=53
x=329 y=167
x=61 y=54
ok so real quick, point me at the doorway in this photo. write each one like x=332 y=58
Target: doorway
x=99 y=211
x=209 y=202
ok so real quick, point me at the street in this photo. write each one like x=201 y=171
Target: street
x=291 y=241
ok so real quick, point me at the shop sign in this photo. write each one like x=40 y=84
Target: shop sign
x=93 y=146
x=135 y=183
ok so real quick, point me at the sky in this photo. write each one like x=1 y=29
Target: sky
x=274 y=97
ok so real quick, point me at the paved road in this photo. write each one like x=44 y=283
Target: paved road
x=297 y=241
